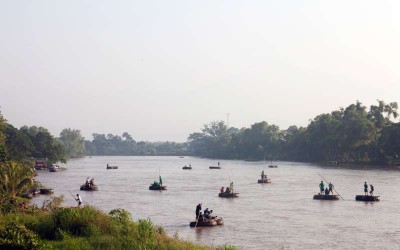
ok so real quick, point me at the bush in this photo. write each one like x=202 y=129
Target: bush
x=17 y=236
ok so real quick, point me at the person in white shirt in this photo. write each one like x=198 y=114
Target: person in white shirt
x=79 y=200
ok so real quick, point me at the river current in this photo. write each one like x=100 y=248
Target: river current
x=277 y=215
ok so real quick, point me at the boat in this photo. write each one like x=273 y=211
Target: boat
x=217 y=221
x=181 y=156
x=187 y=167
x=228 y=195
x=367 y=198
x=46 y=191
x=264 y=181
x=40 y=164
x=112 y=167
x=54 y=168
x=326 y=197
x=215 y=167
x=156 y=186
x=86 y=187
x=272 y=166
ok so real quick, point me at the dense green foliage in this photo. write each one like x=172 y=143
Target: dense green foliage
x=31 y=142
x=352 y=135
x=85 y=228
x=126 y=145
x=73 y=143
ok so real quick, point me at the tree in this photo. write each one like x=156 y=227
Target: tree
x=73 y=143
x=3 y=154
x=16 y=179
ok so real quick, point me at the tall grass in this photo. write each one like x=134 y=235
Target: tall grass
x=89 y=228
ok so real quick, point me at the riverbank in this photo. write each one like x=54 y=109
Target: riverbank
x=85 y=228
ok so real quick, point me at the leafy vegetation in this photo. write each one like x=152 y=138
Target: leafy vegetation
x=85 y=228
x=73 y=143
x=126 y=145
x=351 y=135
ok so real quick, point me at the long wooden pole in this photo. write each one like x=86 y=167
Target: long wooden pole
x=327 y=182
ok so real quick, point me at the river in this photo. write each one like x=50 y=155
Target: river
x=278 y=215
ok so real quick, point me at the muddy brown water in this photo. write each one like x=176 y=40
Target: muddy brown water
x=277 y=215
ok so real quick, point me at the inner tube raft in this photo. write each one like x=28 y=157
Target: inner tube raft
x=85 y=187
x=214 y=167
x=228 y=195
x=209 y=223
x=157 y=187
x=326 y=197
x=264 y=181
x=367 y=198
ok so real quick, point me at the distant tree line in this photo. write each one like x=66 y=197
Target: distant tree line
x=125 y=145
x=353 y=134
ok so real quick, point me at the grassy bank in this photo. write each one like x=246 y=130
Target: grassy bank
x=84 y=228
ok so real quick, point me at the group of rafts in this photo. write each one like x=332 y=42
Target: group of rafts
x=326 y=193
x=208 y=219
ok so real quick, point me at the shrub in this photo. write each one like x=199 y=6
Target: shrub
x=17 y=236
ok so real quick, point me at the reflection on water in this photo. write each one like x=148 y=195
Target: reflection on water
x=281 y=214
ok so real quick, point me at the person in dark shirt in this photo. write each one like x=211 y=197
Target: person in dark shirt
x=198 y=209
x=365 y=188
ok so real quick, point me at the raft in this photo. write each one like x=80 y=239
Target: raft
x=264 y=181
x=112 y=167
x=367 y=198
x=326 y=197
x=272 y=166
x=157 y=187
x=228 y=195
x=186 y=167
x=209 y=223
x=46 y=191
x=214 y=167
x=85 y=187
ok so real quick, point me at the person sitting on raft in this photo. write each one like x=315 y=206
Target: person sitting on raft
x=227 y=190
x=372 y=190
x=326 y=191
x=365 y=188
x=321 y=187
x=222 y=189
x=206 y=213
x=330 y=187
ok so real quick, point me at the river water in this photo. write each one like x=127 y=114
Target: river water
x=279 y=215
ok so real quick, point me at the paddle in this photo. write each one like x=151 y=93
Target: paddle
x=328 y=182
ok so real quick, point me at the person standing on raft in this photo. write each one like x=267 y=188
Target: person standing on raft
x=160 y=180
x=372 y=190
x=262 y=175
x=365 y=188
x=330 y=187
x=198 y=209
x=321 y=187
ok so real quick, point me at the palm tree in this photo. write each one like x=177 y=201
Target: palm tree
x=15 y=178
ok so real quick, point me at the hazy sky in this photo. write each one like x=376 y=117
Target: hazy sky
x=161 y=69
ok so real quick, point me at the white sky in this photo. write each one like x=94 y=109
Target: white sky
x=161 y=69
